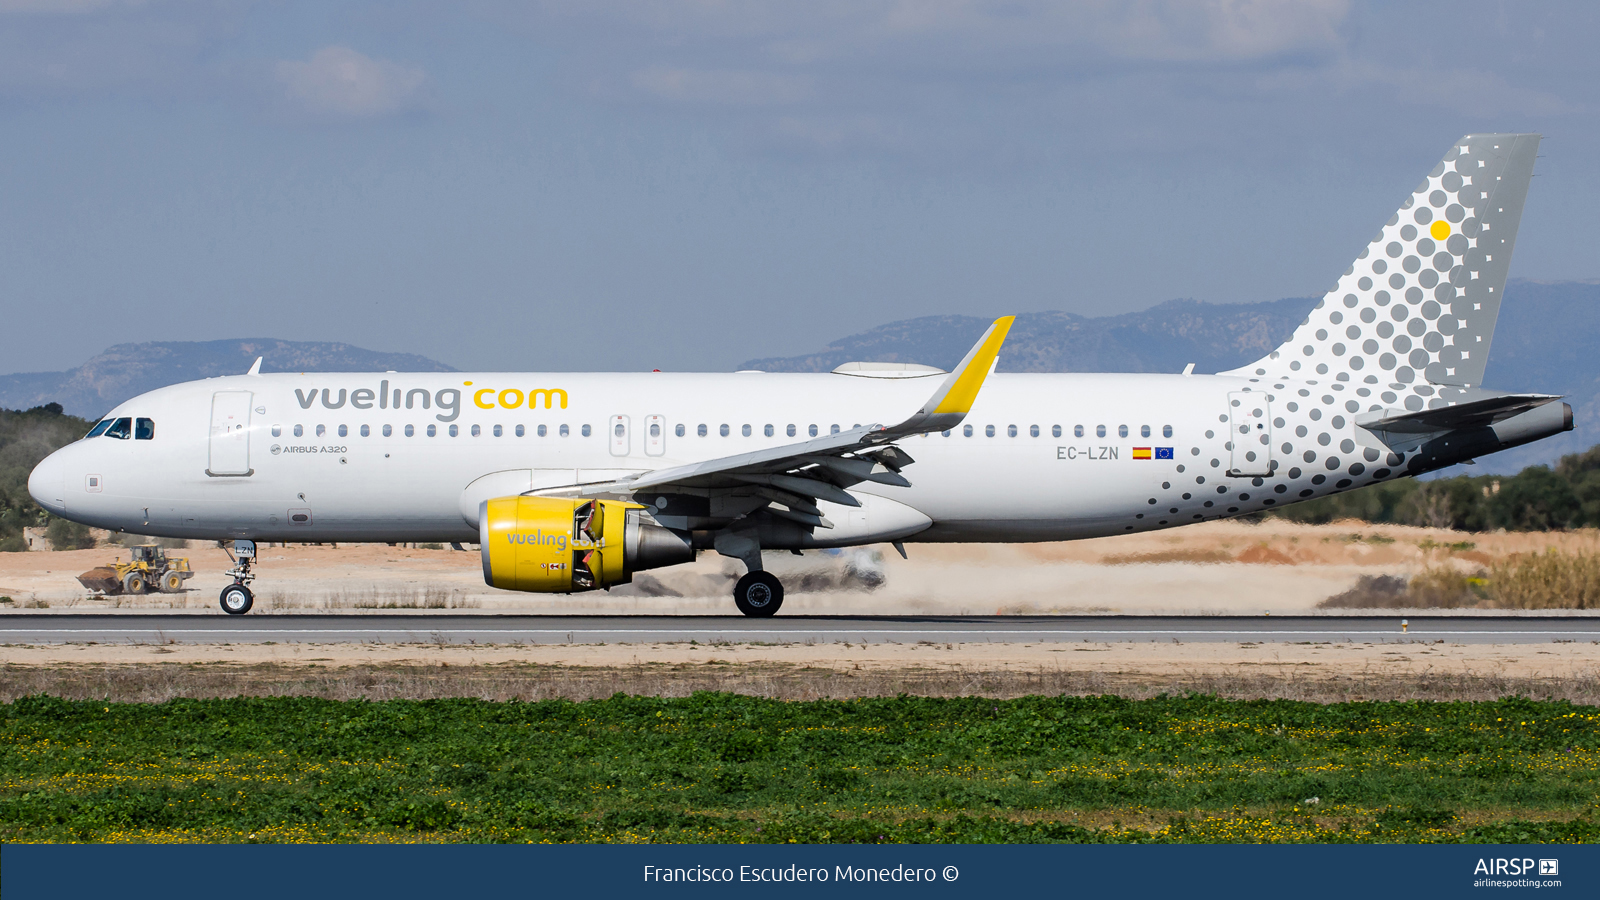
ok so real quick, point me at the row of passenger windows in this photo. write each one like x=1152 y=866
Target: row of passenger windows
x=655 y=430
x=433 y=430
x=124 y=428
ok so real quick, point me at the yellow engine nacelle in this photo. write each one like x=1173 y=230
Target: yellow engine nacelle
x=556 y=546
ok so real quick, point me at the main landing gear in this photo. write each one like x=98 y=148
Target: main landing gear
x=236 y=598
x=758 y=594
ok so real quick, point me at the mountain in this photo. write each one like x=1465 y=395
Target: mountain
x=128 y=370
x=1160 y=339
x=1545 y=342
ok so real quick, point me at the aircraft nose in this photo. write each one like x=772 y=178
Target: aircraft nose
x=47 y=484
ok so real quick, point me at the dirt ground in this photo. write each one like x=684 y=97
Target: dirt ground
x=1319 y=672
x=1310 y=671
x=1218 y=567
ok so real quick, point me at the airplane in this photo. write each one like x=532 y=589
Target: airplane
x=571 y=482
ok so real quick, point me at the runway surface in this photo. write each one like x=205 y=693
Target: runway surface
x=403 y=628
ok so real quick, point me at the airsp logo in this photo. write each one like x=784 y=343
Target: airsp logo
x=1501 y=866
x=276 y=449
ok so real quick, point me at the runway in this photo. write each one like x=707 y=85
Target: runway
x=410 y=628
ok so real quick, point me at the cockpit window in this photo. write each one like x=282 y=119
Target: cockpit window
x=144 y=429
x=121 y=429
x=99 y=429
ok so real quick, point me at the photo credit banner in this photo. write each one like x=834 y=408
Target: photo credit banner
x=398 y=872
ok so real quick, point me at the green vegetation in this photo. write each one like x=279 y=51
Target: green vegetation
x=1536 y=499
x=729 y=768
x=25 y=438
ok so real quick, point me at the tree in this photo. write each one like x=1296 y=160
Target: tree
x=1537 y=499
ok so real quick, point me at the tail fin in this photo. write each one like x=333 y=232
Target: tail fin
x=1423 y=297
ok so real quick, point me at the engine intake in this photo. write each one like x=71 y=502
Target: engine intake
x=553 y=546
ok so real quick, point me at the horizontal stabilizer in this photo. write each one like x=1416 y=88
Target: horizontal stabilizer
x=1473 y=414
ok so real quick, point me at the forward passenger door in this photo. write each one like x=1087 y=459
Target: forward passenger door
x=230 y=434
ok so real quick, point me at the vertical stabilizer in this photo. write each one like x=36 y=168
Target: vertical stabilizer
x=1419 y=305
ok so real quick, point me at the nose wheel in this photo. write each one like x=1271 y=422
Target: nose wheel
x=237 y=599
x=758 y=594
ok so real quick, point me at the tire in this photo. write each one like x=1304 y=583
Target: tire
x=172 y=582
x=758 y=594
x=237 y=599
x=134 y=583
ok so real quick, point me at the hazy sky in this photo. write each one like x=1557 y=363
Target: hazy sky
x=685 y=184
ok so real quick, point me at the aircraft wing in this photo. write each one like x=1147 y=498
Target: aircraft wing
x=797 y=475
x=1472 y=414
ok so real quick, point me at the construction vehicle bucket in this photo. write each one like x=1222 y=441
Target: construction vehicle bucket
x=102 y=578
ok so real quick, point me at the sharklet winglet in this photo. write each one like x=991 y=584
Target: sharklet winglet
x=954 y=398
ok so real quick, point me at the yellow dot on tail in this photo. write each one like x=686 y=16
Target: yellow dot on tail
x=1440 y=230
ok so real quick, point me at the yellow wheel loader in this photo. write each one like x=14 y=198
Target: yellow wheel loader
x=148 y=569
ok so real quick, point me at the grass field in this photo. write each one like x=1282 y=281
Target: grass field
x=729 y=768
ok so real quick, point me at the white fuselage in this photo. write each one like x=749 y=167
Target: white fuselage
x=295 y=464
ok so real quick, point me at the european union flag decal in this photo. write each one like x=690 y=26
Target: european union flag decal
x=1163 y=453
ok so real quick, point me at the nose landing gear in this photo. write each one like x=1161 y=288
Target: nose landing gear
x=236 y=598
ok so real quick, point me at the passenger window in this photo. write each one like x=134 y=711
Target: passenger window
x=1166 y=431
x=833 y=429
x=144 y=429
x=966 y=431
x=121 y=429
x=388 y=431
x=1055 y=431
x=433 y=431
x=1122 y=431
x=745 y=431
x=1077 y=431
x=1033 y=431
x=945 y=433
x=1144 y=431
x=411 y=431
x=620 y=430
x=277 y=431
x=679 y=430
x=812 y=431
x=299 y=431
x=1011 y=430
x=455 y=431
x=791 y=431
x=565 y=431
x=1099 y=431
x=366 y=431
x=344 y=431
x=767 y=431
x=586 y=431
x=520 y=430
x=723 y=430
x=655 y=429
x=499 y=431
x=988 y=431
x=701 y=431
x=543 y=431
x=476 y=431
x=103 y=424
x=322 y=430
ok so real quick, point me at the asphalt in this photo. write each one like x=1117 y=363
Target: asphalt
x=402 y=628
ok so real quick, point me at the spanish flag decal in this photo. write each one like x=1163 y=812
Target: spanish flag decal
x=1141 y=453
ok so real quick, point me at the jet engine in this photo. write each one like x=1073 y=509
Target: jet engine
x=554 y=546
